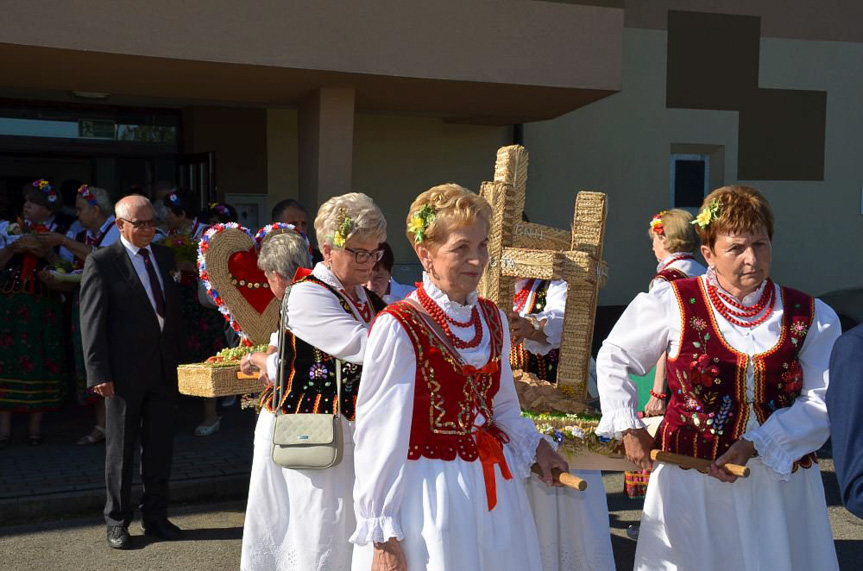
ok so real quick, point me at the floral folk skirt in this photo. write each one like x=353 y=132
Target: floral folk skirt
x=32 y=352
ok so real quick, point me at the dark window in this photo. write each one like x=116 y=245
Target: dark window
x=688 y=180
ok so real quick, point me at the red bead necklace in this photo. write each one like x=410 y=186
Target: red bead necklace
x=676 y=259
x=722 y=301
x=363 y=308
x=520 y=298
x=442 y=319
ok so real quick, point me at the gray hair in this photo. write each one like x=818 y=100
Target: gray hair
x=103 y=200
x=128 y=204
x=284 y=253
x=368 y=220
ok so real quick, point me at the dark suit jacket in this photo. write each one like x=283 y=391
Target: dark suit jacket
x=122 y=340
x=845 y=408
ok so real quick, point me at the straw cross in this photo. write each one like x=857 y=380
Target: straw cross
x=524 y=250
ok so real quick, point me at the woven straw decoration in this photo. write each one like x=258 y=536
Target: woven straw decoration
x=524 y=250
x=200 y=380
x=258 y=326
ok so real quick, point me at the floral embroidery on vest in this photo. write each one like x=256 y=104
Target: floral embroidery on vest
x=311 y=382
x=445 y=404
x=707 y=380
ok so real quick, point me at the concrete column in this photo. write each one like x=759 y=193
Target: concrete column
x=326 y=145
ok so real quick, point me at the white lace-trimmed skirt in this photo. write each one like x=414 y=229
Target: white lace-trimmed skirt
x=573 y=526
x=693 y=521
x=298 y=519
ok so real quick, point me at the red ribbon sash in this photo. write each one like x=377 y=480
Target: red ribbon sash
x=489 y=442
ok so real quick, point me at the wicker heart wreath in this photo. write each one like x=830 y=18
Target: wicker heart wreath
x=228 y=266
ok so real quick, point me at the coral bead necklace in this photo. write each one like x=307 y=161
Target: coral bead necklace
x=731 y=309
x=444 y=320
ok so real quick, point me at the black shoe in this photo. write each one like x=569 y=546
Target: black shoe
x=118 y=536
x=163 y=529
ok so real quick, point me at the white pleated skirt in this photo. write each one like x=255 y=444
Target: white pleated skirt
x=693 y=521
x=298 y=519
x=573 y=526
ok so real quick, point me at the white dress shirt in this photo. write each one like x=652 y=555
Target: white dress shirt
x=141 y=270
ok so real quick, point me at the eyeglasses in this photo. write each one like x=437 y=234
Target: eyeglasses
x=363 y=256
x=151 y=223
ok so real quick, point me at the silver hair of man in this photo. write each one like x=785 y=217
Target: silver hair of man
x=368 y=220
x=284 y=253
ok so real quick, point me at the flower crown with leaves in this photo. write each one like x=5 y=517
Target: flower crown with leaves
x=346 y=225
x=45 y=186
x=420 y=222
x=87 y=194
x=656 y=224
x=708 y=214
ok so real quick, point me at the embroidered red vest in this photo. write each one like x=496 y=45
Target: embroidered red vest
x=708 y=411
x=445 y=405
x=670 y=275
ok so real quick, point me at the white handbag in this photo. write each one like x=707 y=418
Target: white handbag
x=305 y=441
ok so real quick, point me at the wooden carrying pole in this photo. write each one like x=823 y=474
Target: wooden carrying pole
x=565 y=478
x=696 y=463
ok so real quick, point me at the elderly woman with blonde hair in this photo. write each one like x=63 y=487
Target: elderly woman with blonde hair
x=442 y=449
x=302 y=519
x=747 y=370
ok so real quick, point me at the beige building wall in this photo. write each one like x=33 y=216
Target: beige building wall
x=622 y=145
x=282 y=156
x=396 y=158
x=238 y=136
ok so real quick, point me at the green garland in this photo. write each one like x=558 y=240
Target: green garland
x=573 y=433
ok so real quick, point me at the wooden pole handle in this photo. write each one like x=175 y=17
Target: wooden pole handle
x=565 y=478
x=696 y=463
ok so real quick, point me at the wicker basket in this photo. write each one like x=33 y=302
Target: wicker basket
x=201 y=380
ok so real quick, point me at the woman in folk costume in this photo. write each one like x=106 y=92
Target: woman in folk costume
x=442 y=448
x=99 y=230
x=674 y=241
x=302 y=519
x=747 y=372
x=32 y=349
x=573 y=526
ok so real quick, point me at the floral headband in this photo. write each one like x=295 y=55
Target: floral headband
x=708 y=215
x=420 y=222
x=220 y=208
x=344 y=229
x=45 y=186
x=87 y=194
x=656 y=224
x=174 y=199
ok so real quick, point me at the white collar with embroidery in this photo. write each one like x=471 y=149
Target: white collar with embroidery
x=667 y=260
x=323 y=273
x=452 y=308
x=750 y=299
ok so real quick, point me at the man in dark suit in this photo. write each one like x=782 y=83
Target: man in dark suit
x=845 y=408
x=130 y=324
